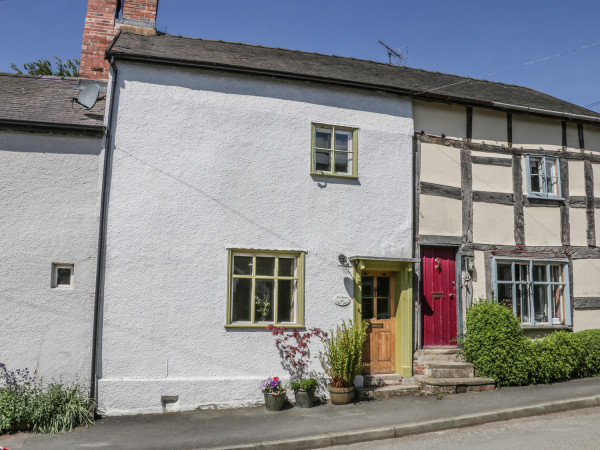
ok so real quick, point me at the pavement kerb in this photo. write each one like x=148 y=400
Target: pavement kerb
x=372 y=434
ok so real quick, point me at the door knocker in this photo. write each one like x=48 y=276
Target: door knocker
x=437 y=265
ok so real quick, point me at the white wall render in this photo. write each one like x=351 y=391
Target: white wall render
x=205 y=161
x=50 y=200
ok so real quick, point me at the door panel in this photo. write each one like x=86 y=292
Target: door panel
x=438 y=296
x=378 y=309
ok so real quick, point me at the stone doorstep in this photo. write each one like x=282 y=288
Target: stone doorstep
x=448 y=370
x=382 y=380
x=455 y=385
x=383 y=392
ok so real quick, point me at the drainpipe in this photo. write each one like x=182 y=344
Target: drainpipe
x=101 y=238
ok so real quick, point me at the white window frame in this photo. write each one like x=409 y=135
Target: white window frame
x=55 y=267
x=531 y=283
x=544 y=193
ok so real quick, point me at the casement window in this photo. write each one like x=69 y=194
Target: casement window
x=537 y=290
x=265 y=287
x=543 y=177
x=62 y=276
x=334 y=151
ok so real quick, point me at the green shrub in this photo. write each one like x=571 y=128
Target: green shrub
x=496 y=345
x=27 y=405
x=342 y=358
x=305 y=384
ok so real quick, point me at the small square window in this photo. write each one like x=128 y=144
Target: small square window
x=543 y=177
x=62 y=276
x=334 y=151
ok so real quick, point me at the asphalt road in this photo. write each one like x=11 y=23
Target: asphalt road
x=579 y=429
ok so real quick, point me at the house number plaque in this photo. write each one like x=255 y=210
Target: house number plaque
x=341 y=300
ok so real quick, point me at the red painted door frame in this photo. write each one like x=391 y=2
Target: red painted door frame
x=438 y=296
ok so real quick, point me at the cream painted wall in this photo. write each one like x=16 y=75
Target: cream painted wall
x=596 y=170
x=591 y=138
x=491 y=154
x=479 y=276
x=572 y=138
x=578 y=226
x=440 y=164
x=440 y=216
x=489 y=127
x=576 y=178
x=586 y=273
x=440 y=119
x=493 y=224
x=586 y=319
x=487 y=177
x=536 y=133
x=542 y=226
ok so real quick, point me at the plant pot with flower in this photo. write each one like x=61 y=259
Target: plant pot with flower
x=274 y=392
x=342 y=360
x=304 y=391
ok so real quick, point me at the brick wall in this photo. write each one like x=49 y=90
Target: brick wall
x=100 y=28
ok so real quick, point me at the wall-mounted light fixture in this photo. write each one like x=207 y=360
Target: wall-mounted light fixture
x=344 y=264
x=470 y=263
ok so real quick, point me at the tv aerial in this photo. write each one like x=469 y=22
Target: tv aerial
x=88 y=96
x=394 y=56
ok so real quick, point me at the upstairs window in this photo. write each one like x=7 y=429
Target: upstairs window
x=334 y=151
x=543 y=175
x=265 y=287
x=537 y=290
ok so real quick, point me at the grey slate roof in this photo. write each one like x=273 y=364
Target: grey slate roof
x=348 y=71
x=46 y=101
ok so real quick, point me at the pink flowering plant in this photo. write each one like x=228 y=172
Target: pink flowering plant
x=272 y=386
x=294 y=348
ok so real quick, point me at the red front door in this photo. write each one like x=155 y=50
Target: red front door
x=438 y=300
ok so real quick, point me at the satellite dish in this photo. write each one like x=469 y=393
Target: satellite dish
x=88 y=96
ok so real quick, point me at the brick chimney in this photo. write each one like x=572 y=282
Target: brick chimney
x=102 y=21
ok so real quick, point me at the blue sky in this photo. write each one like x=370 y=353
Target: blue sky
x=470 y=38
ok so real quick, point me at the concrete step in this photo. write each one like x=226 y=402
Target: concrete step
x=391 y=379
x=448 y=370
x=383 y=392
x=455 y=385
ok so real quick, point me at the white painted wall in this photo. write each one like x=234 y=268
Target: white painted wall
x=493 y=224
x=440 y=119
x=440 y=216
x=49 y=207
x=440 y=164
x=490 y=127
x=205 y=161
x=536 y=133
x=542 y=226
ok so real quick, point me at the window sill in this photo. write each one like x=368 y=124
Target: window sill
x=546 y=326
x=543 y=197
x=334 y=175
x=264 y=325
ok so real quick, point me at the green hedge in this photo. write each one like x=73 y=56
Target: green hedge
x=496 y=345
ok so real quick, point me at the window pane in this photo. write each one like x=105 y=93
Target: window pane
x=540 y=303
x=367 y=308
x=265 y=265
x=539 y=273
x=367 y=286
x=558 y=297
x=263 y=300
x=343 y=162
x=323 y=138
x=556 y=274
x=521 y=272
x=504 y=295
x=287 y=267
x=242 y=291
x=522 y=303
x=552 y=186
x=63 y=276
x=383 y=308
x=504 y=272
x=242 y=265
x=343 y=140
x=535 y=174
x=323 y=160
x=383 y=287
x=285 y=300
x=551 y=176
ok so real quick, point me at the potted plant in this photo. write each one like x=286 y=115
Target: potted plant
x=342 y=360
x=274 y=393
x=293 y=346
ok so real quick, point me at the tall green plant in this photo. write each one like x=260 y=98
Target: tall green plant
x=342 y=358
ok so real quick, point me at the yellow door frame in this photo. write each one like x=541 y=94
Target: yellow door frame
x=402 y=272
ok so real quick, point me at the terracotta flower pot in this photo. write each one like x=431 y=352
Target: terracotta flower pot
x=275 y=402
x=341 y=396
